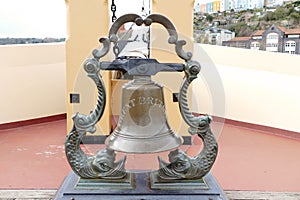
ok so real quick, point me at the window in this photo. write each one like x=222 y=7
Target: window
x=292 y=36
x=272 y=44
x=272 y=36
x=255 y=45
x=242 y=45
x=257 y=37
x=214 y=40
x=290 y=46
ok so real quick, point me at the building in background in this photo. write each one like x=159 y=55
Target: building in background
x=255 y=4
x=239 y=42
x=231 y=4
x=274 y=3
x=242 y=4
x=214 y=36
x=214 y=6
x=222 y=5
x=273 y=39
x=209 y=7
x=203 y=8
x=255 y=39
x=197 y=8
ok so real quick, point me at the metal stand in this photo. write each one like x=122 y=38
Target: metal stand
x=100 y=176
x=206 y=189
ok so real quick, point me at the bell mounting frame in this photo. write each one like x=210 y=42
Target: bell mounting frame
x=103 y=165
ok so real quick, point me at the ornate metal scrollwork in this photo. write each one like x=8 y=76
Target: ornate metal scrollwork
x=182 y=166
x=138 y=20
x=101 y=165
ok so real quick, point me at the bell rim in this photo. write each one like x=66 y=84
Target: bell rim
x=118 y=133
x=176 y=142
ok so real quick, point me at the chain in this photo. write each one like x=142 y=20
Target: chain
x=148 y=32
x=116 y=49
x=113 y=8
x=143 y=7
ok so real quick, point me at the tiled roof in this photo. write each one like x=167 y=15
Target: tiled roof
x=240 y=38
x=285 y=30
x=292 y=31
x=282 y=28
x=258 y=33
x=289 y=31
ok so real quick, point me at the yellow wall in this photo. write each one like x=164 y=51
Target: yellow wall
x=32 y=81
x=86 y=23
x=89 y=21
x=180 y=12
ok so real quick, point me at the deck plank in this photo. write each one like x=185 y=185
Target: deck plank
x=258 y=195
x=26 y=194
x=231 y=195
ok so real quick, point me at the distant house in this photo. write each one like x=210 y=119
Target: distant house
x=216 y=36
x=203 y=8
x=197 y=8
x=239 y=42
x=242 y=5
x=209 y=7
x=274 y=3
x=214 y=6
x=273 y=39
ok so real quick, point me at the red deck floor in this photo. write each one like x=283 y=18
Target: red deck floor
x=32 y=157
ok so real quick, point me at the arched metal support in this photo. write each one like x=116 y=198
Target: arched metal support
x=138 y=20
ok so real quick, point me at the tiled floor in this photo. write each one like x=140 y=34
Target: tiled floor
x=32 y=157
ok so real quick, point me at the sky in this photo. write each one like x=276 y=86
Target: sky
x=47 y=18
x=32 y=18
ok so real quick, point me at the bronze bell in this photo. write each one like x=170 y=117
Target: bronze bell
x=143 y=125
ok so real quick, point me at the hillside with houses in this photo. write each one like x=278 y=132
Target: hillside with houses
x=268 y=29
x=245 y=22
